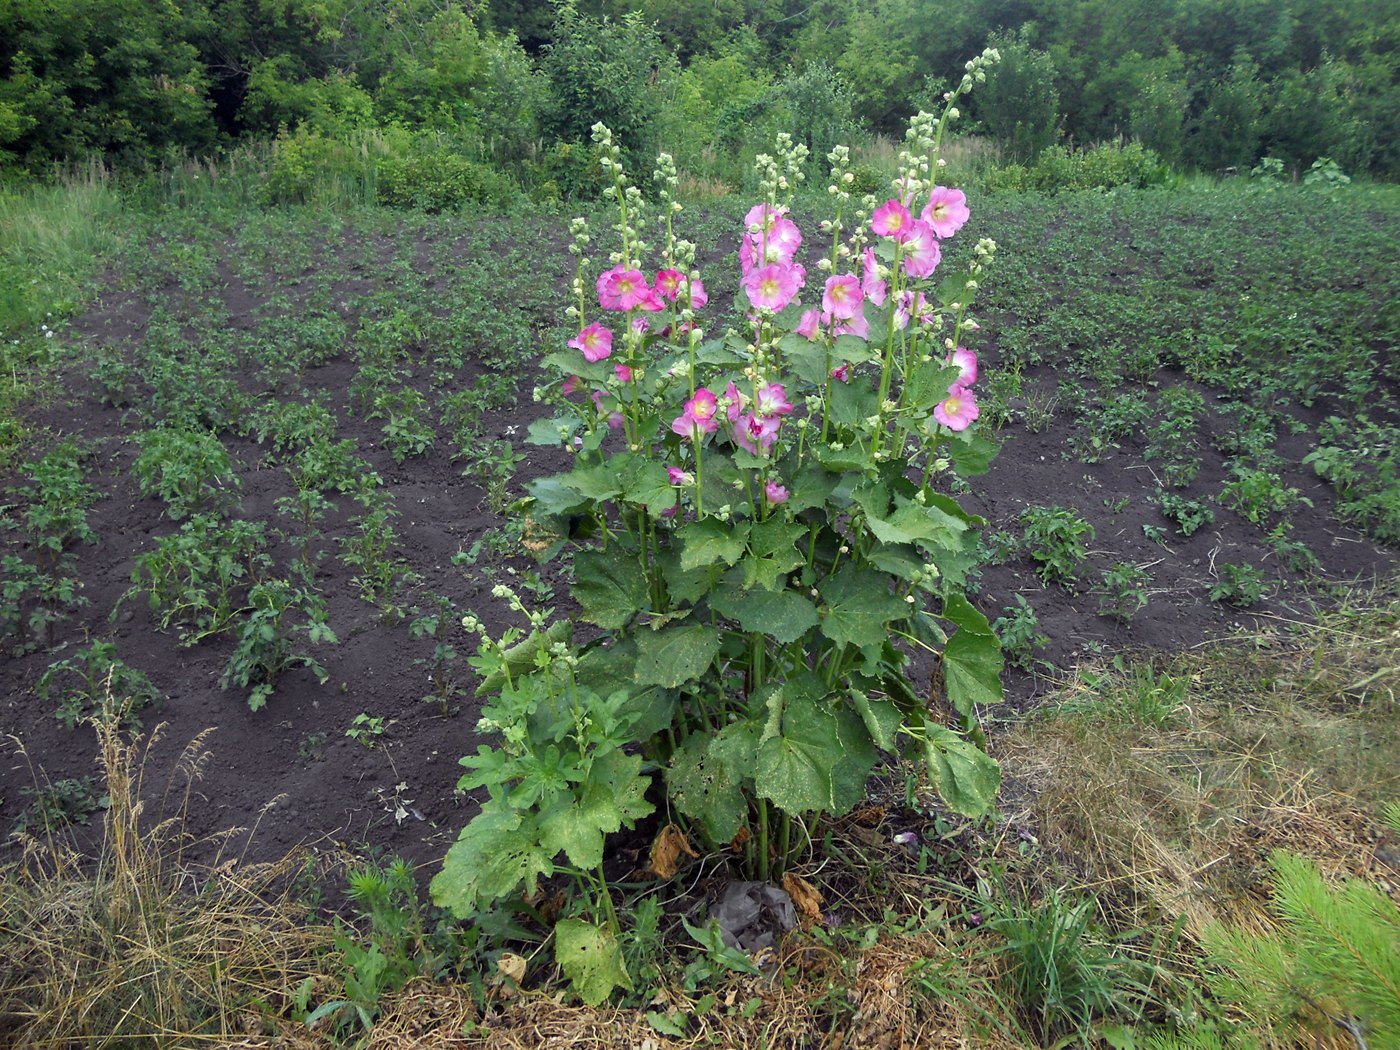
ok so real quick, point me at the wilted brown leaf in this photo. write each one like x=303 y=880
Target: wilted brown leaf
x=806 y=898
x=667 y=849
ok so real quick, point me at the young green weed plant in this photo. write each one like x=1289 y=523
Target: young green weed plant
x=1122 y=591
x=761 y=524
x=1054 y=538
x=1018 y=631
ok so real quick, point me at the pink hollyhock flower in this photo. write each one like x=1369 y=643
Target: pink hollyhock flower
x=910 y=305
x=774 y=493
x=966 y=361
x=892 y=219
x=641 y=325
x=679 y=477
x=698 y=417
x=668 y=284
x=807 y=327
x=755 y=433
x=946 y=211
x=921 y=254
x=842 y=373
x=763 y=216
x=857 y=326
x=843 y=296
x=695 y=288
x=772 y=401
x=595 y=341
x=871 y=284
x=624 y=374
x=773 y=287
x=957 y=410
x=734 y=402
x=670 y=512
x=614 y=420
x=784 y=238
x=598 y=396
x=569 y=385
x=620 y=289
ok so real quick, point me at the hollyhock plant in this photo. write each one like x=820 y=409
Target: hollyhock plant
x=595 y=342
x=871 y=284
x=958 y=410
x=698 y=417
x=692 y=289
x=668 y=284
x=946 y=211
x=772 y=401
x=756 y=434
x=751 y=599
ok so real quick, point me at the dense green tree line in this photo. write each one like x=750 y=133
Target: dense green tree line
x=1205 y=83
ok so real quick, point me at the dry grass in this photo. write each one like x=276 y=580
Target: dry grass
x=149 y=949
x=1285 y=741
x=967 y=157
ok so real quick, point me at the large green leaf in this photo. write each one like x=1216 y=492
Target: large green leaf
x=772 y=552
x=811 y=487
x=852 y=403
x=614 y=797
x=591 y=959
x=794 y=769
x=782 y=615
x=882 y=718
x=967 y=778
x=711 y=542
x=928 y=386
x=972 y=453
x=703 y=786
x=645 y=481
x=912 y=523
x=610 y=587
x=552 y=432
x=675 y=655
x=971 y=660
x=858 y=756
x=685 y=586
x=858 y=606
x=498 y=851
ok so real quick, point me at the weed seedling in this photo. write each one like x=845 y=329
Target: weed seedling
x=1018 y=629
x=1054 y=537
x=1238 y=585
x=1123 y=591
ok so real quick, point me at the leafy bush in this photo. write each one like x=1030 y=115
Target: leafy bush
x=761 y=539
x=1106 y=166
x=189 y=469
x=437 y=180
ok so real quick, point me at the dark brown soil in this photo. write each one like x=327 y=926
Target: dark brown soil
x=332 y=789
